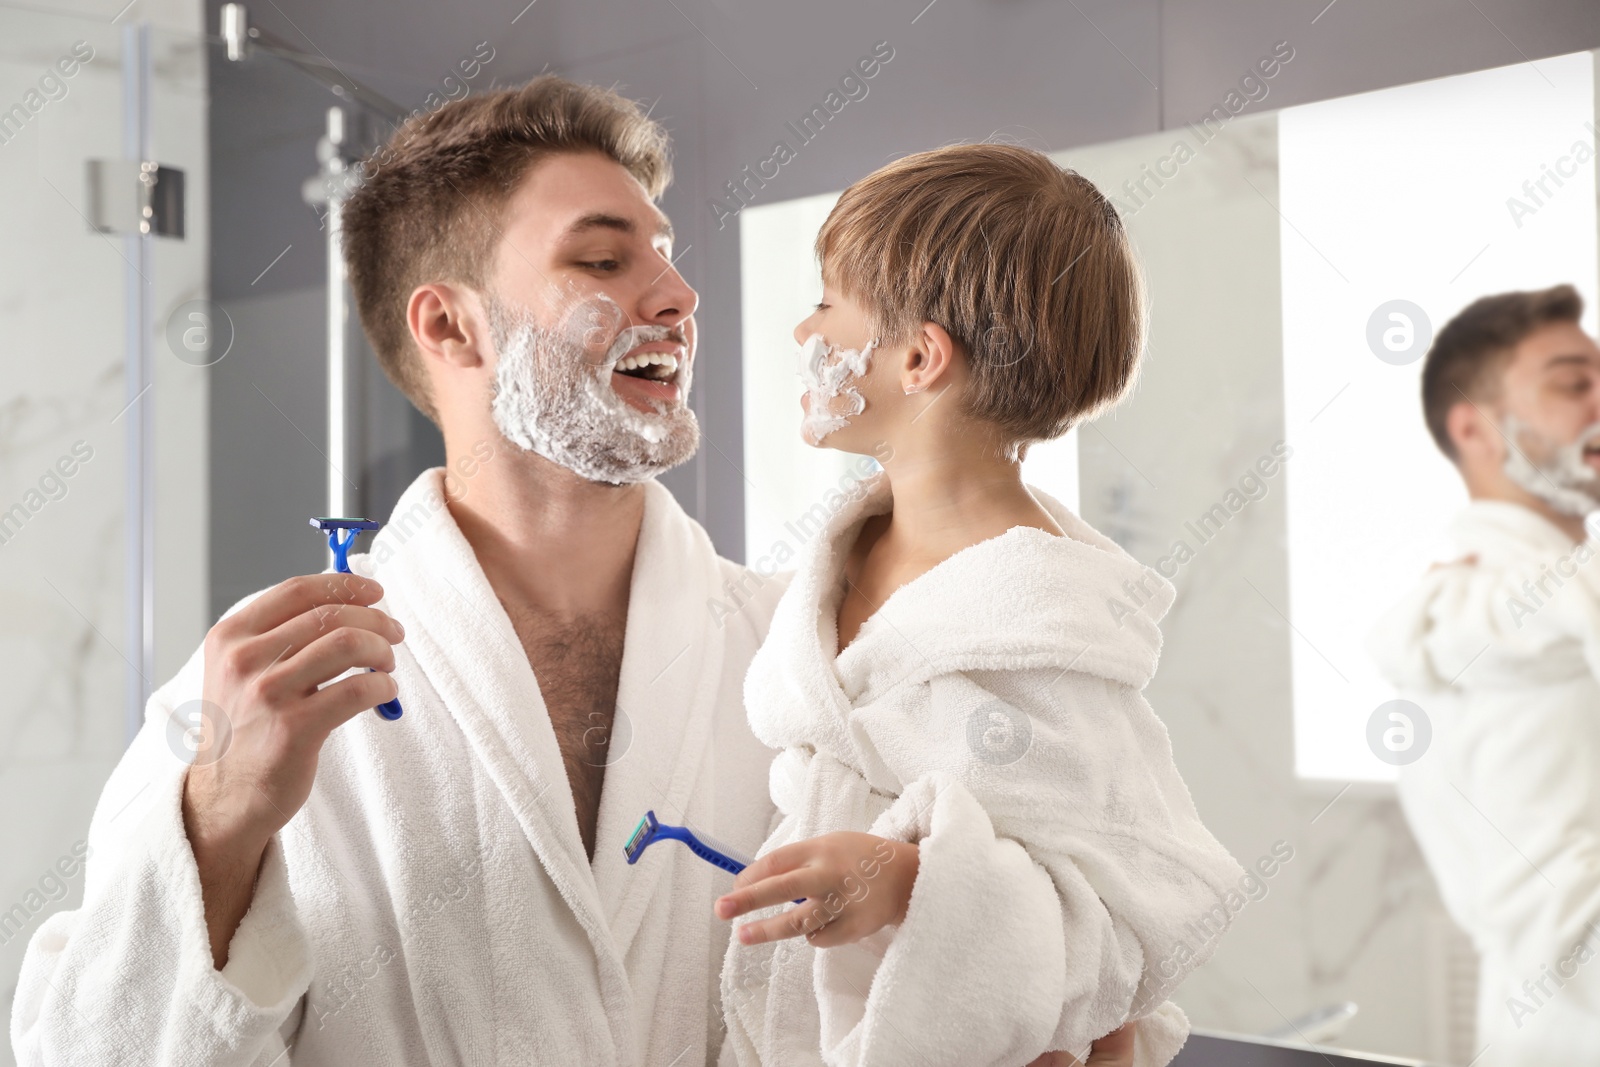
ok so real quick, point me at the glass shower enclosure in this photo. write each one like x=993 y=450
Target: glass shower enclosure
x=169 y=413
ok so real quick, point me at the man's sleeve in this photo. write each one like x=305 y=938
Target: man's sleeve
x=128 y=977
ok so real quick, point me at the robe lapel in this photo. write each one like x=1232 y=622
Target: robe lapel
x=805 y=630
x=464 y=642
x=667 y=699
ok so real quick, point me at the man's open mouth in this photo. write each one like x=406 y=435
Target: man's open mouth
x=652 y=377
x=651 y=366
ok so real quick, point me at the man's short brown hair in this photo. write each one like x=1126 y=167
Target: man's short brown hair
x=431 y=202
x=1025 y=264
x=1469 y=356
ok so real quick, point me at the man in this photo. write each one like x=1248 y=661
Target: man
x=1501 y=651
x=313 y=885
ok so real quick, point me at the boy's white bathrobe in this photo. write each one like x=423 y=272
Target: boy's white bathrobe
x=991 y=712
x=432 y=903
x=1505 y=801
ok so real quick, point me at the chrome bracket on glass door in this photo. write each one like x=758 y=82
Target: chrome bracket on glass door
x=135 y=197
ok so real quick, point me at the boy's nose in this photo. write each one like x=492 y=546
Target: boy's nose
x=803 y=332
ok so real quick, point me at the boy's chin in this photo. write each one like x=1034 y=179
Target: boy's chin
x=822 y=436
x=835 y=437
x=850 y=440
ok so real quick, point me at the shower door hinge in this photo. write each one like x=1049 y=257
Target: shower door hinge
x=132 y=197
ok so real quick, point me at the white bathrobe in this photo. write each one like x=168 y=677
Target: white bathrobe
x=991 y=712
x=1505 y=802
x=432 y=903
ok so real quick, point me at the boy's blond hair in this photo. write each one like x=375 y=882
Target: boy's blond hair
x=1024 y=263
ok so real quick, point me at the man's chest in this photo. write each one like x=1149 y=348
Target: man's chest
x=577 y=663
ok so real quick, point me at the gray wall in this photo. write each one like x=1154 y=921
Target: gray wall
x=269 y=428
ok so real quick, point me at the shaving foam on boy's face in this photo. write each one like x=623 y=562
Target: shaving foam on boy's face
x=556 y=391
x=830 y=374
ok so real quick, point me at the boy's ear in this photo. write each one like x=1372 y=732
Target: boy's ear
x=929 y=360
x=445 y=323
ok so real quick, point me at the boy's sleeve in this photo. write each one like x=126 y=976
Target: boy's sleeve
x=128 y=978
x=1062 y=875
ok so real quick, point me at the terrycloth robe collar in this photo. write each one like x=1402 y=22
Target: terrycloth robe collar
x=1034 y=600
x=1492 y=615
x=672 y=660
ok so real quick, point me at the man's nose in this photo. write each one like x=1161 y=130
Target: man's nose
x=669 y=299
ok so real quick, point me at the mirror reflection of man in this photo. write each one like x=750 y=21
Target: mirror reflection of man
x=1501 y=651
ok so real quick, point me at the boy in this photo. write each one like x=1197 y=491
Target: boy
x=979 y=808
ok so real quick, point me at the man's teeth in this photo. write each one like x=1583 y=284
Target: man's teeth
x=666 y=361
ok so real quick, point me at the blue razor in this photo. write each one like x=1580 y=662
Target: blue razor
x=340 y=545
x=652 y=829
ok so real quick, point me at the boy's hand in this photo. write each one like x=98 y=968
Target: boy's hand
x=853 y=885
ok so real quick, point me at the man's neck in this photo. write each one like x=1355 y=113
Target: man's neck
x=548 y=540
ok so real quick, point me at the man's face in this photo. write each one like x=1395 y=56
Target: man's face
x=1551 y=412
x=592 y=325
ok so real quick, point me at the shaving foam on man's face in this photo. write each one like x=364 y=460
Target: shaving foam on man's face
x=556 y=390
x=830 y=374
x=1560 y=475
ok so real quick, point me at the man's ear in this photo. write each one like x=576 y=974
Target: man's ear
x=1476 y=436
x=447 y=323
x=930 y=359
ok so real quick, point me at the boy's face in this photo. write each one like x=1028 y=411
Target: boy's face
x=850 y=381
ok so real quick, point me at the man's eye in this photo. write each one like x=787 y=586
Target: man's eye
x=602 y=264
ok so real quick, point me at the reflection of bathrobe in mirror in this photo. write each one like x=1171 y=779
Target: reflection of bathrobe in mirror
x=990 y=711
x=1505 y=802
x=432 y=902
